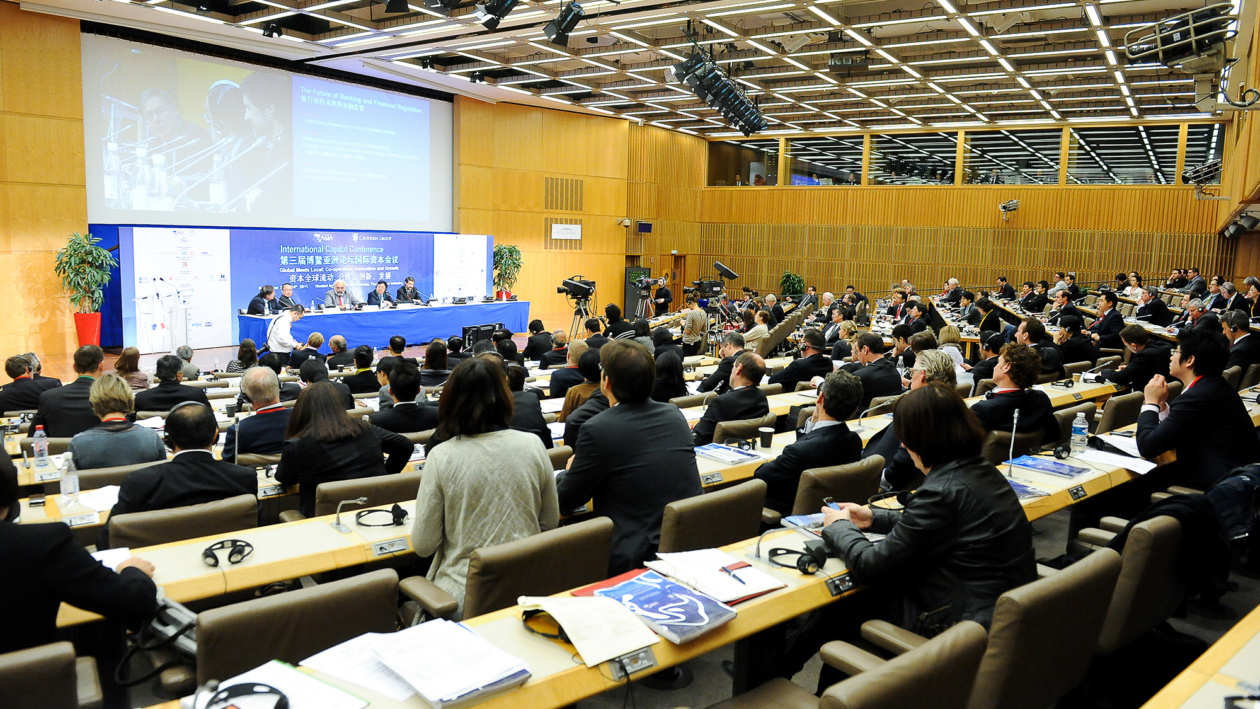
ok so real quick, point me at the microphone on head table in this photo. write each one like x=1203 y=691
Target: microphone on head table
x=1010 y=463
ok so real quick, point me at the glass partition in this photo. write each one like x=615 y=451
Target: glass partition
x=1128 y=155
x=1012 y=157
x=832 y=160
x=742 y=163
x=913 y=159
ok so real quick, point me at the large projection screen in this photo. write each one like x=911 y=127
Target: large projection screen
x=174 y=137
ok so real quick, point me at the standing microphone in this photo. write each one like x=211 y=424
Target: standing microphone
x=1010 y=464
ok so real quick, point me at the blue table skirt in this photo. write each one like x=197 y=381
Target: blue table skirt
x=375 y=327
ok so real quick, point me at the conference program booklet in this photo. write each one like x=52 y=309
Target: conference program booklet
x=673 y=611
x=715 y=573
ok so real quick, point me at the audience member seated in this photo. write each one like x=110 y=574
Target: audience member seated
x=169 y=392
x=1033 y=334
x=559 y=352
x=588 y=365
x=398 y=345
x=527 y=415
x=1016 y=372
x=968 y=313
x=363 y=381
x=485 y=484
x=1074 y=344
x=815 y=361
x=569 y=375
x=481 y=347
x=289 y=391
x=312 y=372
x=66 y=410
x=1149 y=357
x=383 y=369
x=843 y=347
x=1063 y=307
x=324 y=444
x=1106 y=329
x=192 y=477
x=190 y=370
x=246 y=357
x=409 y=412
x=117 y=441
x=663 y=340
x=877 y=373
x=731 y=347
x=43 y=566
x=1152 y=309
x=963 y=538
x=127 y=366
x=507 y=350
x=900 y=472
x=990 y=345
x=341 y=355
x=539 y=342
x=22 y=394
x=308 y=351
x=902 y=354
x=37 y=372
x=618 y=328
x=670 y=381
x=597 y=403
x=759 y=331
x=643 y=333
x=1244 y=350
x=951 y=345
x=262 y=433
x=594 y=339
x=630 y=484
x=745 y=400
x=990 y=319
x=825 y=440
x=1208 y=424
x=455 y=352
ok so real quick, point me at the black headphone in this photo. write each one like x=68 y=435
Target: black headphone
x=1064 y=383
x=238 y=550
x=166 y=438
x=558 y=635
x=808 y=562
x=221 y=699
x=397 y=513
x=744 y=445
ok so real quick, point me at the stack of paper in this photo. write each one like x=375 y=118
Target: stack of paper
x=1128 y=444
x=101 y=499
x=600 y=629
x=111 y=558
x=301 y=689
x=446 y=663
x=703 y=571
x=551 y=406
x=726 y=454
x=556 y=429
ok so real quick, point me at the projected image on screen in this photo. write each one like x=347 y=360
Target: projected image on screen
x=182 y=139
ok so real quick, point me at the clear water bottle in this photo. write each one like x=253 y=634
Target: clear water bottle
x=69 y=482
x=216 y=364
x=1080 y=434
x=39 y=444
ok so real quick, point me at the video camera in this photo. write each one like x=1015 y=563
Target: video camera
x=706 y=289
x=577 y=287
x=646 y=283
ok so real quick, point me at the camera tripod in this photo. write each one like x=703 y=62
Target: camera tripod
x=645 y=309
x=581 y=312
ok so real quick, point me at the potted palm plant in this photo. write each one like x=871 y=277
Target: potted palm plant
x=507 y=267
x=84 y=270
x=791 y=284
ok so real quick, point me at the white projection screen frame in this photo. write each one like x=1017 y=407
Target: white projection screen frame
x=176 y=138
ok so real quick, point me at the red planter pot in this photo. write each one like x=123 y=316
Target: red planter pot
x=88 y=326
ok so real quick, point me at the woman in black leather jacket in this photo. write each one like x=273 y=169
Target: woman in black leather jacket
x=963 y=538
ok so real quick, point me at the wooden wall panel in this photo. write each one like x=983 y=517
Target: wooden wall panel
x=42 y=195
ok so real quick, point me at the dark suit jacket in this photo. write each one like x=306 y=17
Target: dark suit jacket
x=1155 y=312
x=22 y=394
x=297 y=357
x=747 y=403
x=879 y=378
x=802 y=370
x=896 y=311
x=1245 y=352
x=596 y=341
x=1208 y=322
x=777 y=313
x=720 y=380
x=1078 y=348
x=668 y=347
x=900 y=472
x=631 y=483
x=953 y=296
x=1034 y=302
x=262 y=306
x=64 y=411
x=983 y=369
x=166 y=395
x=42 y=566
x=309 y=461
x=1068 y=309
x=375 y=298
x=1006 y=292
x=831 y=445
x=1197 y=285
x=261 y=434
x=397 y=358
x=406 y=417
x=537 y=345
x=991 y=321
x=1210 y=429
x=337 y=359
x=557 y=357
x=46 y=382
x=997 y=413
x=285 y=303
x=1151 y=360
x=919 y=325
x=597 y=403
x=1051 y=359
x=364 y=382
x=527 y=416
x=1215 y=302
x=1108 y=329
x=1239 y=302
x=561 y=380
x=190 y=478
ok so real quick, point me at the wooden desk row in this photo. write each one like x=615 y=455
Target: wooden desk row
x=1230 y=667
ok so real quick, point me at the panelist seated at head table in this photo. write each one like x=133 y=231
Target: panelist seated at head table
x=380 y=296
x=340 y=297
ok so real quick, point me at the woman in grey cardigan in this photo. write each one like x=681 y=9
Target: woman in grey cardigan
x=484 y=484
x=117 y=441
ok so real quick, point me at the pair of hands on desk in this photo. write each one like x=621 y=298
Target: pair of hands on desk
x=137 y=562
x=859 y=515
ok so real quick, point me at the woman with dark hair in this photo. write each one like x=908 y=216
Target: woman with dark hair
x=486 y=484
x=616 y=326
x=435 y=369
x=127 y=367
x=962 y=539
x=1073 y=342
x=748 y=319
x=246 y=357
x=643 y=333
x=323 y=444
x=663 y=341
x=759 y=332
x=669 y=378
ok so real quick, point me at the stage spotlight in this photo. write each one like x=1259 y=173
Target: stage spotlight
x=271 y=29
x=493 y=12
x=397 y=6
x=1249 y=222
x=558 y=30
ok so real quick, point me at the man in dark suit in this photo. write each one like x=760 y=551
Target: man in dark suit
x=744 y=401
x=1152 y=309
x=776 y=310
x=341 y=355
x=822 y=313
x=285 y=300
x=1063 y=306
x=1207 y=424
x=1233 y=299
x=527 y=415
x=811 y=296
x=169 y=391
x=406 y=415
x=731 y=348
x=192 y=477
x=1149 y=357
x=309 y=351
x=594 y=339
x=815 y=361
x=1175 y=280
x=312 y=372
x=919 y=314
x=1005 y=290
x=857 y=297
x=1015 y=374
x=43 y=566
x=264 y=303
x=363 y=381
x=64 y=411
x=1026 y=294
x=631 y=484
x=1244 y=350
x=455 y=352
x=1106 y=329
x=22 y=394
x=878 y=375
x=1033 y=334
x=1073 y=290
x=398 y=344
x=831 y=331
x=1197 y=317
x=568 y=375
x=380 y=297
x=539 y=341
x=37 y=373
x=902 y=353
x=953 y=292
x=990 y=346
x=824 y=441
x=897 y=310
x=289 y=391
x=262 y=433
x=558 y=355
x=1195 y=285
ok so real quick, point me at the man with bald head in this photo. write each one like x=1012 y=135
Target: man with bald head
x=341 y=355
x=262 y=433
x=340 y=297
x=745 y=400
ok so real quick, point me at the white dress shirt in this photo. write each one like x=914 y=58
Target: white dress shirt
x=280 y=337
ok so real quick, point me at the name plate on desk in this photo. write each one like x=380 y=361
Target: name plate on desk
x=270 y=491
x=711 y=479
x=89 y=518
x=46 y=475
x=389 y=546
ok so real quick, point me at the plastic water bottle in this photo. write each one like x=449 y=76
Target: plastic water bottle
x=39 y=444
x=69 y=481
x=216 y=364
x=1080 y=434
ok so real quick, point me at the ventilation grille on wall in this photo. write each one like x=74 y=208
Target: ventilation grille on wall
x=560 y=244
x=564 y=194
